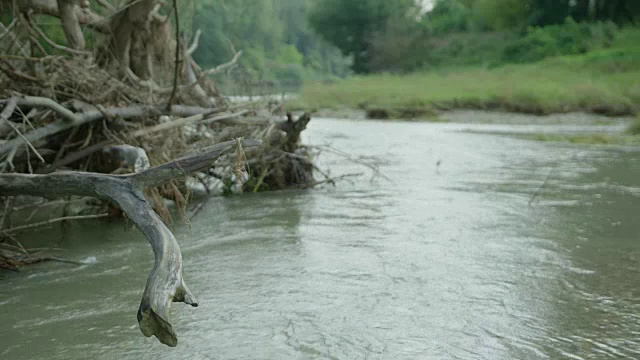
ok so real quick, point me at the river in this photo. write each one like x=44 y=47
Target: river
x=477 y=246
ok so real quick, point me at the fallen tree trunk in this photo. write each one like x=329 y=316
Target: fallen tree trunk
x=165 y=283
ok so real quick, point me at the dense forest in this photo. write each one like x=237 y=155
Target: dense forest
x=400 y=35
x=284 y=43
x=274 y=36
x=415 y=58
x=277 y=44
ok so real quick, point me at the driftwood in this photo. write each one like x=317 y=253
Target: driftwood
x=71 y=119
x=165 y=283
x=293 y=129
x=138 y=99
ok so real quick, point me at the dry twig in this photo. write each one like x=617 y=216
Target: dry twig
x=53 y=221
x=177 y=60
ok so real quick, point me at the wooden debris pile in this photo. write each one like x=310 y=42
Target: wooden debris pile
x=70 y=109
x=122 y=115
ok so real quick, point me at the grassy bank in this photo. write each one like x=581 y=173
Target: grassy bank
x=605 y=81
x=590 y=139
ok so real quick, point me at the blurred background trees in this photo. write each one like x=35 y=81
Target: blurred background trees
x=351 y=25
x=406 y=35
x=287 y=42
x=277 y=42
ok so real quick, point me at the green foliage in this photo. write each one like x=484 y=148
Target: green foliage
x=398 y=46
x=634 y=128
x=588 y=65
x=274 y=36
x=245 y=24
x=289 y=54
x=549 y=12
x=569 y=83
x=483 y=32
x=449 y=16
x=296 y=40
x=253 y=63
x=464 y=49
x=53 y=28
x=452 y=16
x=289 y=74
x=569 y=38
x=588 y=139
x=349 y=25
x=502 y=14
x=402 y=48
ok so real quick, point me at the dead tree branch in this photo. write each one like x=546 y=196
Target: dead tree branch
x=71 y=23
x=9 y=109
x=52 y=221
x=7 y=29
x=73 y=157
x=91 y=116
x=74 y=49
x=177 y=61
x=186 y=121
x=165 y=283
x=220 y=68
x=37 y=101
x=50 y=7
x=194 y=44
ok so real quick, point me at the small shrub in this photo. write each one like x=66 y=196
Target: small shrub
x=289 y=74
x=634 y=128
x=448 y=16
x=570 y=38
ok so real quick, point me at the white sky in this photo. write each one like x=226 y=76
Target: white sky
x=426 y=4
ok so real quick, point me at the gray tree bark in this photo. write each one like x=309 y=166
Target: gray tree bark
x=165 y=283
x=71 y=119
x=71 y=23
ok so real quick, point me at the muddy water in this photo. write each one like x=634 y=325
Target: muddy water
x=478 y=246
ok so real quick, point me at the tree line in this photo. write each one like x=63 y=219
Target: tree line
x=387 y=34
x=291 y=41
x=274 y=36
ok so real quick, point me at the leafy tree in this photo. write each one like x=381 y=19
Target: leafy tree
x=245 y=24
x=399 y=47
x=289 y=54
x=503 y=14
x=449 y=16
x=549 y=12
x=618 y=11
x=274 y=36
x=350 y=25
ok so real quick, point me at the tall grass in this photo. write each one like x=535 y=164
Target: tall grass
x=605 y=81
x=634 y=127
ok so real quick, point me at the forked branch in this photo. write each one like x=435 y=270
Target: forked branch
x=165 y=283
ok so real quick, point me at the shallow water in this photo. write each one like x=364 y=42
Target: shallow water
x=478 y=246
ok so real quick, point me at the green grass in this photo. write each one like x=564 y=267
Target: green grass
x=590 y=139
x=634 y=127
x=605 y=81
